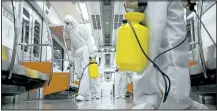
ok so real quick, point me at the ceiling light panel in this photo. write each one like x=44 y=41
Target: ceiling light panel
x=96 y=22
x=118 y=21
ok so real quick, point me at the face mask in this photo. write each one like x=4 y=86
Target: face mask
x=70 y=27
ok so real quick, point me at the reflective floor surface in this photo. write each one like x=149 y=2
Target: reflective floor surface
x=104 y=103
x=61 y=104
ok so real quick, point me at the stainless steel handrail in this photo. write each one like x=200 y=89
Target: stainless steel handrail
x=192 y=34
x=16 y=23
x=70 y=61
x=63 y=59
x=200 y=44
x=34 y=44
x=52 y=58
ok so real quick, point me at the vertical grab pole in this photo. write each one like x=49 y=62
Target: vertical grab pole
x=203 y=63
x=52 y=58
x=16 y=23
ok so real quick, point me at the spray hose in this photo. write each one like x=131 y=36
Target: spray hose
x=156 y=67
x=83 y=73
x=167 y=87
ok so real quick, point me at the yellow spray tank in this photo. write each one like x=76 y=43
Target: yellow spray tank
x=129 y=56
x=93 y=69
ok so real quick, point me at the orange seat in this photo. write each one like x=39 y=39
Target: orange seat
x=192 y=62
x=130 y=87
x=76 y=82
x=59 y=82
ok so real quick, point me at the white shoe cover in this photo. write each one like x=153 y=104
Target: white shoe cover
x=80 y=98
x=197 y=105
x=88 y=98
x=98 y=97
x=123 y=97
x=93 y=97
x=144 y=106
x=116 y=97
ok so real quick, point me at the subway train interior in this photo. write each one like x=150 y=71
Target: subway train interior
x=65 y=54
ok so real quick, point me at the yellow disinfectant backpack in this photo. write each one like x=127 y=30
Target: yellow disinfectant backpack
x=129 y=56
x=93 y=69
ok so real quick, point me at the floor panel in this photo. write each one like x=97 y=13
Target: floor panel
x=104 y=103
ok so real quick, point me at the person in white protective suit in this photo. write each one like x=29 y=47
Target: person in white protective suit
x=81 y=47
x=165 y=20
x=96 y=83
x=120 y=84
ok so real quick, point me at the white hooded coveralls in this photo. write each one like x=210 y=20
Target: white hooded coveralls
x=81 y=47
x=165 y=21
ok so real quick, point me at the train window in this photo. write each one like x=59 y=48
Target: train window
x=7 y=14
x=25 y=34
x=25 y=29
x=58 y=54
x=48 y=5
x=47 y=12
x=191 y=38
x=26 y=13
x=107 y=59
x=6 y=5
x=36 y=38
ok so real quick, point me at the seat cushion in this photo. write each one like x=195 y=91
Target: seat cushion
x=5 y=65
x=18 y=69
x=195 y=69
x=42 y=76
x=210 y=57
x=31 y=73
x=23 y=71
x=4 y=54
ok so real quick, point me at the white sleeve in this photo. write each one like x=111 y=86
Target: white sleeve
x=90 y=44
x=72 y=53
x=88 y=39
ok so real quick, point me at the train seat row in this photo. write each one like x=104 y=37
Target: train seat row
x=22 y=77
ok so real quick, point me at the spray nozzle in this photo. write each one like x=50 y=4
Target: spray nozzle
x=124 y=21
x=191 y=5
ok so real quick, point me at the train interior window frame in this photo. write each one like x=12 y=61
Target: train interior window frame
x=24 y=31
x=30 y=14
x=56 y=44
x=191 y=48
x=36 y=38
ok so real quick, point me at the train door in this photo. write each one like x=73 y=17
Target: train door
x=26 y=25
x=36 y=34
x=31 y=32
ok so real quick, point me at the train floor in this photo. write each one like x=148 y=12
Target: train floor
x=71 y=103
x=103 y=103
